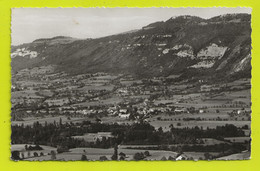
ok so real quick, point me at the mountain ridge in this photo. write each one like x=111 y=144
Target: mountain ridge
x=186 y=45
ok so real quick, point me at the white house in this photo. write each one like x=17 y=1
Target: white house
x=124 y=116
x=123 y=110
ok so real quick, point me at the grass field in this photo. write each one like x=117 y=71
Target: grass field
x=96 y=87
x=198 y=155
x=25 y=94
x=112 y=100
x=189 y=124
x=21 y=147
x=238 y=139
x=238 y=156
x=48 y=119
x=95 y=153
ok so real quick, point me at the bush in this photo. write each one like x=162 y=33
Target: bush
x=103 y=158
x=32 y=148
x=138 y=156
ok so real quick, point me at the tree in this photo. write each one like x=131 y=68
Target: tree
x=84 y=157
x=29 y=154
x=115 y=157
x=62 y=149
x=35 y=154
x=146 y=153
x=98 y=120
x=207 y=156
x=22 y=155
x=122 y=156
x=245 y=127
x=179 y=149
x=160 y=130
x=53 y=155
x=60 y=121
x=15 y=155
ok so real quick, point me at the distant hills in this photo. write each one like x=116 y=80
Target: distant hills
x=215 y=48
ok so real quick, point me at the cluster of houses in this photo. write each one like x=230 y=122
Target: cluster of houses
x=23 y=53
x=240 y=112
x=67 y=99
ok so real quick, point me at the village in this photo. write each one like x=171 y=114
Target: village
x=122 y=97
x=44 y=96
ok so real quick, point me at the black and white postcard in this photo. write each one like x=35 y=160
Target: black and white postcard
x=131 y=84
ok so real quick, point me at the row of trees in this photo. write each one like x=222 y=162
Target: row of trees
x=60 y=135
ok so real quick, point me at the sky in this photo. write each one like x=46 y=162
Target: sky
x=29 y=24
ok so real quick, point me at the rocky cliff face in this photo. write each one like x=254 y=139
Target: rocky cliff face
x=219 y=47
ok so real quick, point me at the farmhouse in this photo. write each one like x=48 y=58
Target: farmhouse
x=125 y=116
x=180 y=110
x=205 y=88
x=201 y=111
x=240 y=111
x=181 y=157
x=123 y=111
